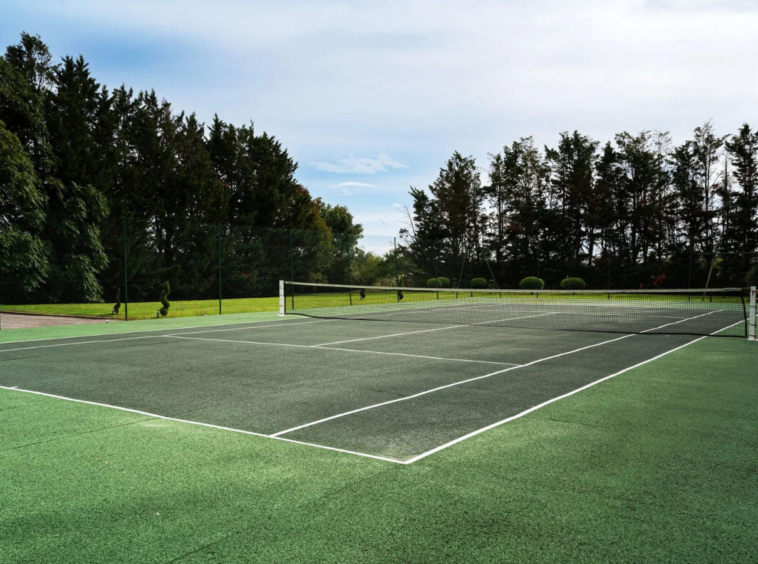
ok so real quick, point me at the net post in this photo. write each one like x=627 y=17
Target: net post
x=751 y=323
x=281 y=298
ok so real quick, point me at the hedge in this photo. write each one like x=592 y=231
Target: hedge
x=573 y=284
x=532 y=283
x=478 y=282
x=440 y=282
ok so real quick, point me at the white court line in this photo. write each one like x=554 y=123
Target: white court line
x=543 y=404
x=148 y=330
x=365 y=455
x=430 y=330
x=553 y=400
x=676 y=322
x=406 y=398
x=314 y=347
x=277 y=324
x=200 y=424
x=419 y=356
x=410 y=307
x=76 y=344
x=727 y=327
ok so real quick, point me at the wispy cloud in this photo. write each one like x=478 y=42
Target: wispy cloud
x=703 y=5
x=353 y=185
x=361 y=165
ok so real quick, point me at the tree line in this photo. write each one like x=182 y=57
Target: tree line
x=98 y=183
x=635 y=212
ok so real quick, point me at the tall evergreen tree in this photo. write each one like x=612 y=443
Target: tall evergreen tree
x=742 y=150
x=572 y=180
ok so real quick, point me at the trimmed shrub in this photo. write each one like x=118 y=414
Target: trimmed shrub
x=440 y=282
x=573 y=284
x=532 y=283
x=165 y=291
x=478 y=282
x=491 y=284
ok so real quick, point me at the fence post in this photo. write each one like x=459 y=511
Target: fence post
x=349 y=269
x=126 y=276
x=397 y=279
x=609 y=277
x=349 y=263
x=220 y=298
x=751 y=323
x=1 y=301
x=463 y=266
x=487 y=262
x=538 y=262
x=436 y=261
x=689 y=272
x=292 y=266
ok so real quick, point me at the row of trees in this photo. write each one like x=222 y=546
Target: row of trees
x=89 y=175
x=94 y=183
x=654 y=213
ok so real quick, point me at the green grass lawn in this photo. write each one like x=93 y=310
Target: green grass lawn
x=147 y=310
x=656 y=465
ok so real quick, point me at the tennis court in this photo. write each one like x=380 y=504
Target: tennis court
x=394 y=390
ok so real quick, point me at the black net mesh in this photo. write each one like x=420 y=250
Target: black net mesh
x=703 y=312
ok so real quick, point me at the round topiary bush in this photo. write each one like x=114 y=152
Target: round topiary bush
x=532 y=283
x=573 y=284
x=478 y=282
x=440 y=282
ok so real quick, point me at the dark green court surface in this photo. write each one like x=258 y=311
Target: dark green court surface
x=397 y=391
x=657 y=464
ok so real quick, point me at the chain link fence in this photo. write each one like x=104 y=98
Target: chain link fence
x=134 y=268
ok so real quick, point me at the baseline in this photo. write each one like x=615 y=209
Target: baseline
x=201 y=424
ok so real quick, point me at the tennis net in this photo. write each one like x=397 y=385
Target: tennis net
x=714 y=312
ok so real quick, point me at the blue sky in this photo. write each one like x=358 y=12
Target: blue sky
x=372 y=97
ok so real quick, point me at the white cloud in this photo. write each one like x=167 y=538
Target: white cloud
x=421 y=78
x=700 y=5
x=346 y=192
x=361 y=165
x=353 y=185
